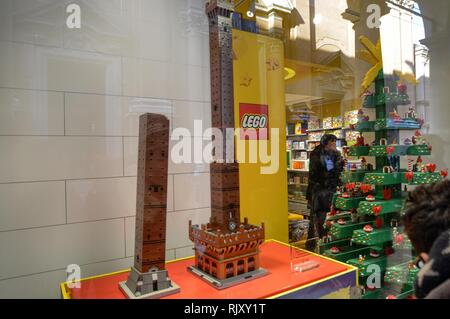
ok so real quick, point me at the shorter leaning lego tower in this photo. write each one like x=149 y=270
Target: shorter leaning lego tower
x=148 y=277
x=226 y=250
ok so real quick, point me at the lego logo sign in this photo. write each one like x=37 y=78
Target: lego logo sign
x=254 y=121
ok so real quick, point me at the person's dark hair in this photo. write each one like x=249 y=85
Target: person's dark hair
x=327 y=138
x=427 y=214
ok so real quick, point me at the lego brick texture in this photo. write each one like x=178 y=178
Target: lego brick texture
x=70 y=102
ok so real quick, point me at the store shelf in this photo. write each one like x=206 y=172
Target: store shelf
x=324 y=129
x=298 y=170
x=313 y=141
x=296 y=135
x=301 y=184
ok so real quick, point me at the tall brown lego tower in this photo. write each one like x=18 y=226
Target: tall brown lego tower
x=224 y=176
x=226 y=251
x=148 y=277
x=151 y=200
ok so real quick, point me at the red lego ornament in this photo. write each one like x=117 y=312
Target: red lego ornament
x=376 y=210
x=399 y=239
x=368 y=228
x=387 y=193
x=350 y=187
x=334 y=250
x=444 y=173
x=409 y=176
x=379 y=223
x=332 y=211
x=402 y=88
x=391 y=297
x=390 y=150
x=370 y=198
x=431 y=167
x=365 y=188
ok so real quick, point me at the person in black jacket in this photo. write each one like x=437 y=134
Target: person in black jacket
x=427 y=224
x=325 y=167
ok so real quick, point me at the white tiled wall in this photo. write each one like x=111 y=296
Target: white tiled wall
x=70 y=101
x=26 y=112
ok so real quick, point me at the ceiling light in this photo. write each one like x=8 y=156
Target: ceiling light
x=251 y=9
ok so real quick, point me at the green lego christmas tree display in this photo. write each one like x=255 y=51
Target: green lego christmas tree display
x=363 y=225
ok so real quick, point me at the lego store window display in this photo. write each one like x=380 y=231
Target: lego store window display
x=162 y=149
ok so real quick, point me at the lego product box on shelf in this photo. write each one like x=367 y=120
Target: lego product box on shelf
x=289 y=144
x=337 y=121
x=327 y=122
x=301 y=145
x=300 y=156
x=351 y=137
x=298 y=165
x=298 y=145
x=298 y=129
x=314 y=124
x=350 y=118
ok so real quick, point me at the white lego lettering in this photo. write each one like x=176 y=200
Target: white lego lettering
x=254 y=121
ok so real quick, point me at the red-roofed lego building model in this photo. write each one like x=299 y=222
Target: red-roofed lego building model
x=226 y=251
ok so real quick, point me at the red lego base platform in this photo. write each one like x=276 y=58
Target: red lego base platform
x=331 y=278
